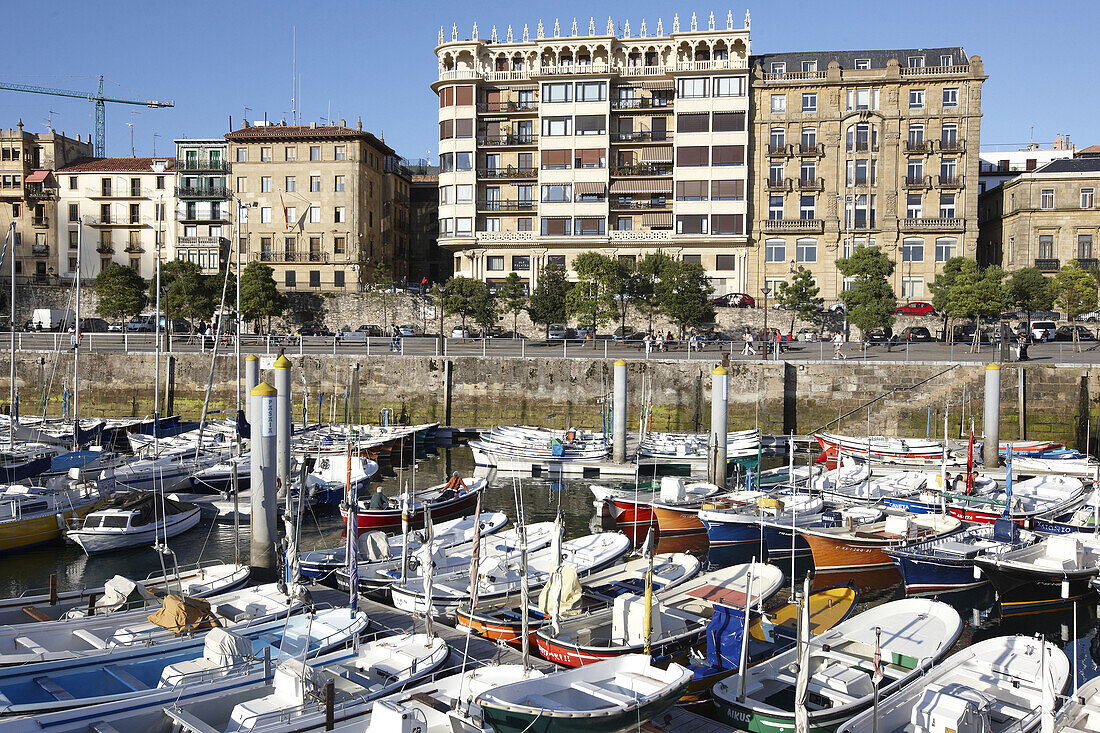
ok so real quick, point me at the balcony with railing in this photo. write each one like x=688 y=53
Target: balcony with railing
x=712 y=64
x=641 y=103
x=795 y=226
x=1088 y=263
x=938 y=223
x=1047 y=264
x=509 y=172
x=493 y=205
x=571 y=69
x=40 y=222
x=805 y=149
x=955 y=181
x=918 y=146
x=202 y=165
x=952 y=146
x=628 y=204
x=774 y=149
x=642 y=136
x=289 y=256
x=811 y=184
x=794 y=76
x=953 y=70
x=40 y=250
x=37 y=193
x=201 y=241
x=203 y=192
x=134 y=249
x=117 y=192
x=778 y=184
x=642 y=169
x=504 y=140
x=916 y=181
x=862 y=146
x=201 y=217
x=513 y=107
x=105 y=249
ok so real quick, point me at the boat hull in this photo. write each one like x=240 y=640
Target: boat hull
x=1021 y=590
x=390 y=519
x=928 y=574
x=673 y=521
x=22 y=534
x=578 y=655
x=93 y=542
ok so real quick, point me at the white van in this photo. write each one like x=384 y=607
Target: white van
x=52 y=319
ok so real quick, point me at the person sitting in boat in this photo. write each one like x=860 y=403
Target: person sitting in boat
x=454 y=484
x=379 y=500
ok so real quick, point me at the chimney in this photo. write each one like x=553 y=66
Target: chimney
x=343 y=122
x=313 y=125
x=359 y=125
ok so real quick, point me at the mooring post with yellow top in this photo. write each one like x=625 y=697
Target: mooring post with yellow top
x=618 y=413
x=282 y=424
x=719 y=411
x=263 y=503
x=990 y=448
x=251 y=379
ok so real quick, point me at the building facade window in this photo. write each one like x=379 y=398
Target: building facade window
x=912 y=287
x=1088 y=198
x=913 y=206
x=945 y=248
x=806 y=250
x=775 y=208
x=1046 y=246
x=947 y=206
x=809 y=102
x=912 y=250
x=727 y=224
x=779 y=103
x=950 y=98
x=775 y=250
x=807 y=208
x=916 y=99
x=494 y=263
x=809 y=138
x=1084 y=246
x=691 y=224
x=521 y=263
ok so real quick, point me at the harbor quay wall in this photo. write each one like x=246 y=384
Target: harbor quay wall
x=1059 y=402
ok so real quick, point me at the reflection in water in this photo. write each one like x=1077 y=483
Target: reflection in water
x=542 y=499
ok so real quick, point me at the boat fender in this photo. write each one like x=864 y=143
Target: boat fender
x=60 y=521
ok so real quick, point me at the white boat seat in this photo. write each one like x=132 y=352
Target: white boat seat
x=603 y=694
x=30 y=645
x=52 y=688
x=536 y=700
x=360 y=679
x=91 y=638
x=648 y=684
x=125 y=677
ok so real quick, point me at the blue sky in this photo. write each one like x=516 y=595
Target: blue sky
x=375 y=60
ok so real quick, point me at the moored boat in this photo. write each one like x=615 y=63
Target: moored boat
x=132 y=519
x=455 y=498
x=863 y=546
x=1056 y=570
x=609 y=696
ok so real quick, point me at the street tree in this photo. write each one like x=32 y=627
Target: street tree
x=684 y=293
x=513 y=297
x=977 y=293
x=870 y=301
x=591 y=299
x=941 y=289
x=121 y=291
x=468 y=298
x=800 y=298
x=383 y=284
x=185 y=291
x=260 y=297
x=547 y=302
x=1029 y=290
x=1075 y=292
x=646 y=280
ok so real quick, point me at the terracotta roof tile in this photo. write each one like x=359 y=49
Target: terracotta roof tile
x=117 y=165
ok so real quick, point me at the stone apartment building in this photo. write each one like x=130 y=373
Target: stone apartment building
x=863 y=147
x=28 y=197
x=555 y=142
x=396 y=218
x=1043 y=218
x=204 y=210
x=311 y=199
x=114 y=209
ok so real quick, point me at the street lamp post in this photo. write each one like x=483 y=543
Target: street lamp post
x=765 y=290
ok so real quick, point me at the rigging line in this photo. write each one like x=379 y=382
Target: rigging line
x=57 y=359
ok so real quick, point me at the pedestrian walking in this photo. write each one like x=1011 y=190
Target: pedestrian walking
x=660 y=341
x=648 y=341
x=747 y=337
x=838 y=343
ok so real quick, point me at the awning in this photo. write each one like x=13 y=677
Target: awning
x=37 y=176
x=642 y=185
x=658 y=219
x=589 y=187
x=658 y=85
x=656 y=155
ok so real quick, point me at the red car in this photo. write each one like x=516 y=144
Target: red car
x=735 y=300
x=915 y=309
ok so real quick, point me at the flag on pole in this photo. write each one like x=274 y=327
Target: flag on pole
x=286 y=215
x=876 y=674
x=353 y=541
x=970 y=462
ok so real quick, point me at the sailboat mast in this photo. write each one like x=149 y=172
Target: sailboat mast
x=9 y=242
x=156 y=362
x=76 y=344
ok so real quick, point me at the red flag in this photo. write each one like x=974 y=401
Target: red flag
x=970 y=463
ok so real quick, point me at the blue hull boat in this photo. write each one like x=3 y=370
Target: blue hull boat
x=947 y=563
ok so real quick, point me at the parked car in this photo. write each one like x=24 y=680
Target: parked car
x=876 y=336
x=358 y=336
x=916 y=334
x=626 y=334
x=915 y=308
x=458 y=332
x=175 y=325
x=141 y=324
x=808 y=334
x=735 y=300
x=965 y=334
x=837 y=307
x=94 y=325
x=408 y=329
x=311 y=330
x=558 y=331
x=1065 y=333
x=498 y=333
x=116 y=327
x=1090 y=317
x=1041 y=330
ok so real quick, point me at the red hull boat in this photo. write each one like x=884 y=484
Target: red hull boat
x=456 y=498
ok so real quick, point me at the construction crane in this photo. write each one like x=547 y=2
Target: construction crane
x=99 y=100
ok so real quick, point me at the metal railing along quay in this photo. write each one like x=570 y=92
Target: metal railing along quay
x=1060 y=352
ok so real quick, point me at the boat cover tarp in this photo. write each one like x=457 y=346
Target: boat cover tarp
x=374 y=547
x=148 y=506
x=226 y=649
x=121 y=594
x=562 y=595
x=184 y=615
